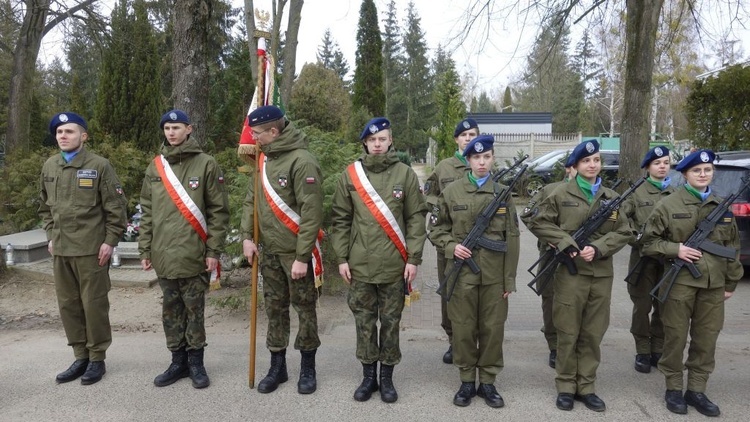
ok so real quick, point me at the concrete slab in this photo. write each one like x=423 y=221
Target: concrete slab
x=28 y=246
x=130 y=276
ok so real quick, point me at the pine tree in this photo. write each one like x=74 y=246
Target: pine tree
x=419 y=106
x=507 y=101
x=330 y=56
x=449 y=107
x=393 y=69
x=145 y=81
x=368 y=73
x=484 y=104
x=84 y=60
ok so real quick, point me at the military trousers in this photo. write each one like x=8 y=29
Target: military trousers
x=183 y=308
x=646 y=325
x=548 y=295
x=699 y=312
x=580 y=312
x=369 y=303
x=478 y=313
x=445 y=322
x=82 y=288
x=279 y=291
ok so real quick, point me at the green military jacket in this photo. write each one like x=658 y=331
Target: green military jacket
x=637 y=207
x=446 y=171
x=295 y=175
x=674 y=219
x=537 y=199
x=358 y=238
x=166 y=238
x=82 y=204
x=558 y=216
x=458 y=207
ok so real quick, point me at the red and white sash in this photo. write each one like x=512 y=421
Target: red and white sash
x=291 y=220
x=184 y=203
x=377 y=207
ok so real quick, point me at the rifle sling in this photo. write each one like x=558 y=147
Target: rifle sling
x=718 y=250
x=493 y=245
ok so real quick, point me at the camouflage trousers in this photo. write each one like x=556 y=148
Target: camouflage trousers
x=183 y=306
x=279 y=290
x=369 y=301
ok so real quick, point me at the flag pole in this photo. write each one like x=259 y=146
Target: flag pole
x=260 y=89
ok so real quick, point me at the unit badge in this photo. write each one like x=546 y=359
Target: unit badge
x=282 y=181
x=398 y=193
x=194 y=182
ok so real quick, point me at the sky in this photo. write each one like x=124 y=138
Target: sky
x=488 y=60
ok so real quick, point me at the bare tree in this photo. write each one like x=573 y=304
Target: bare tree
x=39 y=18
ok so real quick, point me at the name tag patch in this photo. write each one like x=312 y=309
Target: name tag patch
x=87 y=174
x=460 y=207
x=569 y=204
x=682 y=216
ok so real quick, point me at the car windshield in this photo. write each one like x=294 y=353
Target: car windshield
x=553 y=154
x=551 y=161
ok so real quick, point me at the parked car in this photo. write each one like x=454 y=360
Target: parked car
x=731 y=167
x=543 y=168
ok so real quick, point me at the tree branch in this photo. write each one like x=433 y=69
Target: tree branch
x=61 y=16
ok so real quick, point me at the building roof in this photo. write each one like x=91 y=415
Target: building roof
x=511 y=118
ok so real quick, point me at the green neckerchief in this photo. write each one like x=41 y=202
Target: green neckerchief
x=695 y=192
x=585 y=188
x=656 y=183
x=472 y=179
x=461 y=157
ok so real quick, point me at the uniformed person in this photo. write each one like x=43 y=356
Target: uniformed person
x=83 y=211
x=548 y=294
x=378 y=223
x=290 y=215
x=645 y=271
x=184 y=220
x=479 y=305
x=694 y=305
x=446 y=171
x=581 y=302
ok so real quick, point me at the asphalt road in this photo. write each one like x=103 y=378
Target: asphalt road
x=29 y=361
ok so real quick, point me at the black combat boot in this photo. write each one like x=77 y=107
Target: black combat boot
x=94 y=372
x=197 y=370
x=307 y=383
x=177 y=370
x=369 y=382
x=643 y=363
x=387 y=391
x=552 y=361
x=75 y=371
x=276 y=373
x=448 y=355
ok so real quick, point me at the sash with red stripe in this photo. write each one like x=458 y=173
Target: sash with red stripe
x=291 y=220
x=377 y=207
x=184 y=203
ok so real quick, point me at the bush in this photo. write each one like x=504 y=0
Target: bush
x=19 y=192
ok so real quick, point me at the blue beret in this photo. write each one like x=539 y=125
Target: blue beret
x=583 y=150
x=464 y=125
x=702 y=156
x=66 y=117
x=374 y=126
x=654 y=154
x=264 y=114
x=174 y=116
x=479 y=144
x=569 y=161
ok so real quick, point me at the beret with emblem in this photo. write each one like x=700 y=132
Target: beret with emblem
x=654 y=154
x=64 y=118
x=374 y=126
x=583 y=150
x=702 y=156
x=264 y=114
x=465 y=125
x=479 y=144
x=174 y=116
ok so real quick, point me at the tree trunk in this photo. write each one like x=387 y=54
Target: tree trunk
x=22 y=74
x=277 y=13
x=642 y=23
x=252 y=42
x=290 y=50
x=190 y=62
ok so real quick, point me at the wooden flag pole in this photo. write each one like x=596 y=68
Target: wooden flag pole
x=260 y=89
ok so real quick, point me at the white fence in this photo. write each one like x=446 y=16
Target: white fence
x=509 y=145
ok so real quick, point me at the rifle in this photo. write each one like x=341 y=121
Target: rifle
x=555 y=257
x=699 y=240
x=475 y=238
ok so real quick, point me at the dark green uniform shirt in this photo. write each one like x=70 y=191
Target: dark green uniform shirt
x=166 y=238
x=565 y=210
x=637 y=208
x=457 y=209
x=82 y=204
x=295 y=176
x=358 y=238
x=674 y=219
